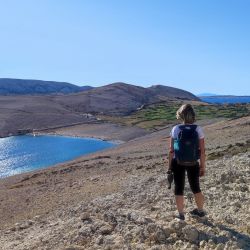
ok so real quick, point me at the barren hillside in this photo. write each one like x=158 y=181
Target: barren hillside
x=118 y=199
x=39 y=112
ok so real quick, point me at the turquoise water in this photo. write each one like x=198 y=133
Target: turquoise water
x=20 y=154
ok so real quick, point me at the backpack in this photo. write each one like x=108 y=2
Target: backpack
x=186 y=146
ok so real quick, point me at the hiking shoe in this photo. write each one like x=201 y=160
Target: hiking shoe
x=197 y=212
x=180 y=217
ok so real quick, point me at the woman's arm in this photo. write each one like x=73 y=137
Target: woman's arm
x=202 y=156
x=170 y=152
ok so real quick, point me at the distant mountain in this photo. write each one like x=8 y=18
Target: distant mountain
x=37 y=87
x=84 y=88
x=206 y=94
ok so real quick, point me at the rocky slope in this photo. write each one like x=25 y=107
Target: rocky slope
x=117 y=199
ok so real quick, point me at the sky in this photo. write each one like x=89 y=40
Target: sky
x=202 y=46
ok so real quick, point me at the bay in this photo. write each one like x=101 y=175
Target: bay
x=19 y=154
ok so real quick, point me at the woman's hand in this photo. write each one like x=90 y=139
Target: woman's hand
x=202 y=171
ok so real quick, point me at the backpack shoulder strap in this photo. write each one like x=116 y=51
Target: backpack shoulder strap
x=194 y=126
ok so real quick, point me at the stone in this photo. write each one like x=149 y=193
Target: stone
x=176 y=225
x=178 y=244
x=84 y=231
x=190 y=233
x=85 y=216
x=151 y=227
x=211 y=244
x=132 y=216
x=99 y=240
x=74 y=247
x=202 y=243
x=160 y=236
x=167 y=231
x=220 y=246
x=105 y=229
x=128 y=237
x=109 y=217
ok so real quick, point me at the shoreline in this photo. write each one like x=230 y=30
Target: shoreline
x=117 y=142
x=113 y=133
x=45 y=167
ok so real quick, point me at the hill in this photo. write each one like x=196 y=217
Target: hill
x=43 y=111
x=33 y=87
x=121 y=98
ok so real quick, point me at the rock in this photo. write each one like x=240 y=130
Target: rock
x=229 y=219
x=167 y=231
x=118 y=241
x=85 y=217
x=132 y=216
x=151 y=227
x=220 y=246
x=95 y=178
x=128 y=237
x=105 y=229
x=155 y=248
x=211 y=244
x=160 y=236
x=74 y=247
x=178 y=244
x=190 y=246
x=190 y=233
x=108 y=240
x=109 y=217
x=99 y=240
x=85 y=231
x=202 y=244
x=176 y=225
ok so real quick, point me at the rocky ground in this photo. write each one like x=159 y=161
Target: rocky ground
x=118 y=199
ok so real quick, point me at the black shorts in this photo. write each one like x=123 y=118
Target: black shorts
x=193 y=173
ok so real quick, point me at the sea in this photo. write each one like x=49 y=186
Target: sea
x=19 y=154
x=225 y=99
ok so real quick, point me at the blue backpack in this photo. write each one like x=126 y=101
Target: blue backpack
x=186 y=146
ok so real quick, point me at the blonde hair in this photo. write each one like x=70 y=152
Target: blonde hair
x=186 y=114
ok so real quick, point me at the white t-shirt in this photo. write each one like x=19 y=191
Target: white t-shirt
x=176 y=130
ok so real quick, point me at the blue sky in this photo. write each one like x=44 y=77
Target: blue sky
x=200 y=46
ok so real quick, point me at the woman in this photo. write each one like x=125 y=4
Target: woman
x=183 y=158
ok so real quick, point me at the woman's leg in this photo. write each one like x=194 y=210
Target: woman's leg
x=179 y=199
x=199 y=200
x=179 y=181
x=193 y=173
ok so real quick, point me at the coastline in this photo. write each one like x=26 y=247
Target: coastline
x=79 y=136
x=113 y=133
x=104 y=131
